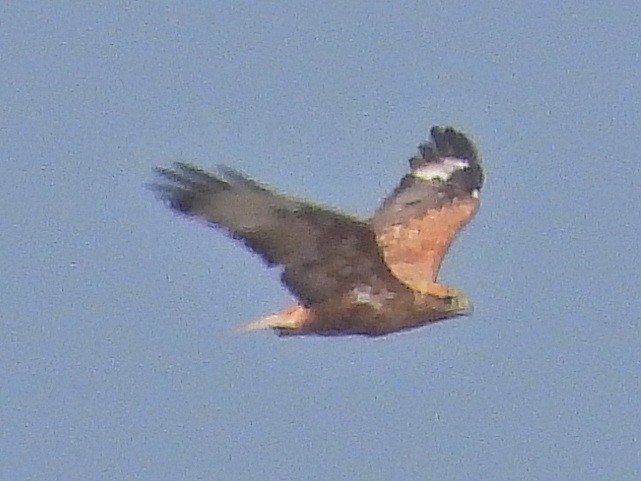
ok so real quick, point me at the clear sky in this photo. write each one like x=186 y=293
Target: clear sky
x=116 y=356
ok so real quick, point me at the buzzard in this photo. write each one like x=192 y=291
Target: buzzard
x=350 y=276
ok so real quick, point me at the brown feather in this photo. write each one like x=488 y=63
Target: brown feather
x=414 y=250
x=324 y=253
x=350 y=276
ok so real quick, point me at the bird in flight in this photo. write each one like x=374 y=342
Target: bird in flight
x=350 y=276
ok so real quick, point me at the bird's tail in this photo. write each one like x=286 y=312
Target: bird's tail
x=290 y=319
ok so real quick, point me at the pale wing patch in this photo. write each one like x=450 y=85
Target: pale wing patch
x=440 y=170
x=363 y=294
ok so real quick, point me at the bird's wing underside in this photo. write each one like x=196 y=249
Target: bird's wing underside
x=417 y=223
x=323 y=253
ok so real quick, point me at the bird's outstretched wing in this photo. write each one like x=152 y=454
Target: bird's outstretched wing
x=417 y=223
x=323 y=253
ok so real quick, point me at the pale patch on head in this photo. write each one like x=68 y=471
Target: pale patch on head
x=442 y=170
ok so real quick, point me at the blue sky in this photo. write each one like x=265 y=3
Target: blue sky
x=116 y=356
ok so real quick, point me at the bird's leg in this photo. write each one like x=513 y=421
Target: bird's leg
x=291 y=318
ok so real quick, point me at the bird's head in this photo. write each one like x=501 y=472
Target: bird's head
x=455 y=304
x=458 y=305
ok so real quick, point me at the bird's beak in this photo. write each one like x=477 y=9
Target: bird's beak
x=462 y=305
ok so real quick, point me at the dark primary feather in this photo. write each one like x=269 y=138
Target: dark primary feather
x=413 y=197
x=446 y=142
x=324 y=253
